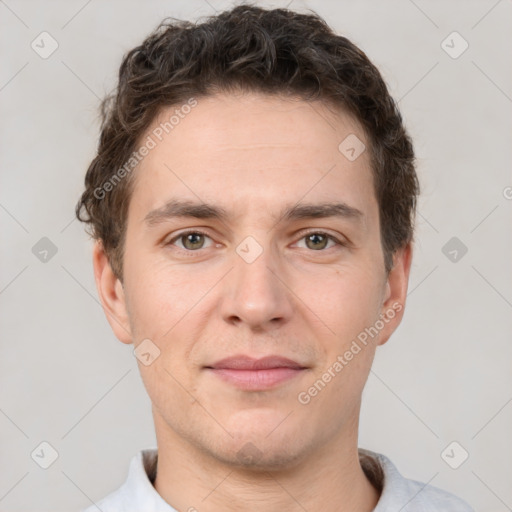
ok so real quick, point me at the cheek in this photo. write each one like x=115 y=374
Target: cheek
x=163 y=304
x=159 y=296
x=162 y=314
x=346 y=302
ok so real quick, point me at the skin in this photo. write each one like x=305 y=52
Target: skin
x=254 y=154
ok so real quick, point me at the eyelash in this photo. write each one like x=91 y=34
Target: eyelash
x=304 y=235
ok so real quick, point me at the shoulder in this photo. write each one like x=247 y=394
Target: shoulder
x=137 y=492
x=117 y=500
x=400 y=493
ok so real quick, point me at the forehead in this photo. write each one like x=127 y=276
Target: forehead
x=254 y=121
x=254 y=149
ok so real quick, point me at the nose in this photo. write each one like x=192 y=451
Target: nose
x=256 y=294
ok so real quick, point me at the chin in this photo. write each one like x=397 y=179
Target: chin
x=259 y=458
x=263 y=445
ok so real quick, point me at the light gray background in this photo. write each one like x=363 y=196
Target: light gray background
x=444 y=376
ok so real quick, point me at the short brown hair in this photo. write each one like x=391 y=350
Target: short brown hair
x=251 y=49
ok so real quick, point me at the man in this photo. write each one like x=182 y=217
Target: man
x=252 y=202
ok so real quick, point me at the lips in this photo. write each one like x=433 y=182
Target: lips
x=251 y=374
x=249 y=363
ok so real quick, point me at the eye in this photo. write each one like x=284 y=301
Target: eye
x=191 y=240
x=195 y=240
x=318 y=240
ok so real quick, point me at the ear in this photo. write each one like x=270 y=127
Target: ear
x=393 y=305
x=111 y=293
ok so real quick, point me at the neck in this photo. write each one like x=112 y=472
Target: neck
x=330 y=479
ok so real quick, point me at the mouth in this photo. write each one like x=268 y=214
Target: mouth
x=251 y=374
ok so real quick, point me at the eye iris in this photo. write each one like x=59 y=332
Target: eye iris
x=193 y=240
x=314 y=238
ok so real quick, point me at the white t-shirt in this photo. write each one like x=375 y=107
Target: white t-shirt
x=137 y=494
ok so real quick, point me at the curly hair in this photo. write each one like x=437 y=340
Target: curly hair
x=248 y=49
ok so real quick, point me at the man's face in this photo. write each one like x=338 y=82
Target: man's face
x=256 y=282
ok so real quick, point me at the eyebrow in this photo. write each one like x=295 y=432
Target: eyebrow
x=178 y=208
